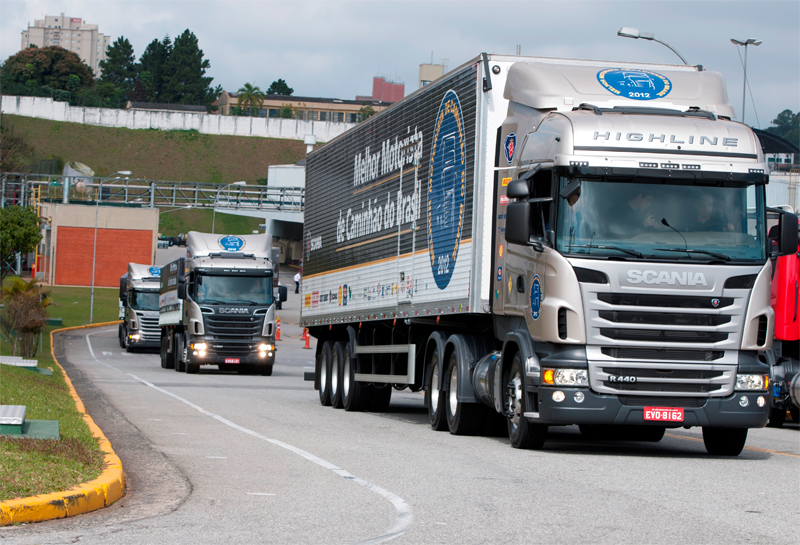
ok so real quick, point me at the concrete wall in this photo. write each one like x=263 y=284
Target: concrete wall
x=290 y=129
x=124 y=235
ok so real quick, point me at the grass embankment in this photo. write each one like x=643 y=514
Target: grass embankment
x=154 y=154
x=37 y=466
x=182 y=221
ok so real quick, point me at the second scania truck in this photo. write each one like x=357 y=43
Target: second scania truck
x=217 y=305
x=557 y=241
x=138 y=307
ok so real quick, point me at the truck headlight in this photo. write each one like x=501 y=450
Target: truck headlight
x=198 y=346
x=134 y=337
x=264 y=347
x=752 y=382
x=570 y=377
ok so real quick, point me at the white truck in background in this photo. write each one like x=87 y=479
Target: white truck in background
x=555 y=241
x=217 y=305
x=138 y=307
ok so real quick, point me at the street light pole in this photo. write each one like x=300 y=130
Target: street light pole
x=635 y=33
x=745 y=43
x=94 y=251
x=216 y=195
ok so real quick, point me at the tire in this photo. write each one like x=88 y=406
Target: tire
x=462 y=418
x=434 y=397
x=192 y=368
x=337 y=352
x=521 y=433
x=380 y=396
x=264 y=370
x=325 y=374
x=353 y=393
x=180 y=363
x=128 y=348
x=777 y=416
x=122 y=335
x=167 y=358
x=794 y=412
x=724 y=441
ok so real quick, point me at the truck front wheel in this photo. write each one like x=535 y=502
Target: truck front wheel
x=122 y=335
x=522 y=433
x=777 y=416
x=177 y=345
x=724 y=441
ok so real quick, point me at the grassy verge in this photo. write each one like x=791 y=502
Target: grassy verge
x=182 y=221
x=37 y=466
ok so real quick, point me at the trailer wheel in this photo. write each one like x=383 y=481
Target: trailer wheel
x=777 y=416
x=167 y=358
x=724 y=441
x=462 y=418
x=522 y=433
x=379 y=397
x=352 y=391
x=324 y=374
x=336 y=374
x=434 y=397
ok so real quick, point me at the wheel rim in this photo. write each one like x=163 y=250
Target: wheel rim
x=514 y=399
x=453 y=391
x=346 y=383
x=434 y=388
x=334 y=375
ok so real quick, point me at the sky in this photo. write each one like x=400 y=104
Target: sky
x=333 y=49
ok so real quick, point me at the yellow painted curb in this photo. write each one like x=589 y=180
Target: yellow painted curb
x=96 y=494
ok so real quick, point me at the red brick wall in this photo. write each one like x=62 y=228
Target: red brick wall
x=115 y=249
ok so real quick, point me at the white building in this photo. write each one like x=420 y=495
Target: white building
x=70 y=33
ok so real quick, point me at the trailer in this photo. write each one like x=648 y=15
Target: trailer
x=549 y=242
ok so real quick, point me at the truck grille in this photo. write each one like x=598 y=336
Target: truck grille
x=646 y=401
x=661 y=378
x=148 y=327
x=233 y=328
x=667 y=354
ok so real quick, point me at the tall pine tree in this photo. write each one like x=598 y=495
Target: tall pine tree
x=119 y=66
x=152 y=64
x=184 y=73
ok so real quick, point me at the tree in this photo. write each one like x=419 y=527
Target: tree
x=251 y=99
x=279 y=87
x=50 y=66
x=787 y=126
x=24 y=314
x=119 y=66
x=19 y=232
x=184 y=73
x=286 y=111
x=365 y=112
x=153 y=62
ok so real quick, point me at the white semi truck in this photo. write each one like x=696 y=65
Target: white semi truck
x=216 y=305
x=557 y=241
x=138 y=307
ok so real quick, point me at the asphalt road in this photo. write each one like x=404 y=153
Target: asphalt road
x=227 y=458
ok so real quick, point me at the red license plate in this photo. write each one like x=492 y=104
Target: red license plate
x=663 y=414
x=236 y=360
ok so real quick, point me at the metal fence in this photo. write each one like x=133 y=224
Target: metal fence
x=25 y=188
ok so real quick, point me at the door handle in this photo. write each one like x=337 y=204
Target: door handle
x=520 y=284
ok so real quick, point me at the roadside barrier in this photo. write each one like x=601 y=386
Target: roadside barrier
x=278 y=328
x=307 y=337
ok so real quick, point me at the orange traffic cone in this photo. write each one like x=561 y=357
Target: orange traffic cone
x=308 y=338
x=278 y=328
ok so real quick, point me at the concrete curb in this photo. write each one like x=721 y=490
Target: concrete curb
x=83 y=498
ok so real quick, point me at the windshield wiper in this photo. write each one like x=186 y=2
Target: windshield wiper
x=686 y=251
x=634 y=253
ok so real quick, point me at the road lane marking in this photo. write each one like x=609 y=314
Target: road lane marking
x=778 y=452
x=259 y=494
x=405 y=515
x=217 y=457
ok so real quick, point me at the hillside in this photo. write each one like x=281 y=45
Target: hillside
x=154 y=154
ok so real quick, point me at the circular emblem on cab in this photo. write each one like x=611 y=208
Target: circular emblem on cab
x=634 y=83
x=231 y=243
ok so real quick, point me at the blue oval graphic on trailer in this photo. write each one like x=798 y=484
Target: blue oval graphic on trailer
x=634 y=83
x=536 y=297
x=231 y=243
x=154 y=271
x=447 y=179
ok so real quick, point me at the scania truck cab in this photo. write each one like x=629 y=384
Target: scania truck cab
x=217 y=305
x=138 y=307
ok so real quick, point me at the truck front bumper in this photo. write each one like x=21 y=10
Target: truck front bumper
x=214 y=358
x=609 y=409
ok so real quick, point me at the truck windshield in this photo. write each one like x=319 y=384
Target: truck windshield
x=254 y=290
x=144 y=300
x=662 y=220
